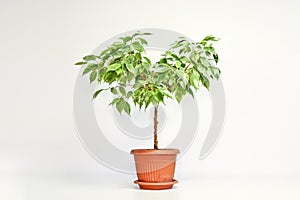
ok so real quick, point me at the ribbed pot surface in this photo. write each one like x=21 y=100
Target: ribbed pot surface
x=155 y=165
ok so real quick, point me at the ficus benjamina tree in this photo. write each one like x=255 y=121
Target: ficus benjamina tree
x=131 y=76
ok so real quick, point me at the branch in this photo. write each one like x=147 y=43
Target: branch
x=187 y=66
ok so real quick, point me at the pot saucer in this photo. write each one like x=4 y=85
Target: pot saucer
x=155 y=186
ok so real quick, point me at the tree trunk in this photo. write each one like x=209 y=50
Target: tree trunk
x=155 y=128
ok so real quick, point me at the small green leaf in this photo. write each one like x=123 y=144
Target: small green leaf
x=143 y=41
x=166 y=92
x=190 y=91
x=184 y=59
x=147 y=59
x=146 y=65
x=130 y=58
x=138 y=56
x=120 y=105
x=113 y=67
x=117 y=45
x=176 y=57
x=114 y=101
x=89 y=57
x=216 y=58
x=180 y=92
x=215 y=71
x=137 y=46
x=114 y=90
x=129 y=94
x=194 y=80
x=126 y=39
x=93 y=76
x=122 y=90
x=177 y=45
x=81 y=63
x=204 y=61
x=181 y=51
x=89 y=67
x=162 y=68
x=211 y=38
x=104 y=52
x=205 y=81
x=129 y=67
x=127 y=107
x=96 y=93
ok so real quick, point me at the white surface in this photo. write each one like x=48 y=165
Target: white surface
x=108 y=186
x=259 y=51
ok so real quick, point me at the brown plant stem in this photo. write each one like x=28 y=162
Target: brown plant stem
x=187 y=66
x=155 y=128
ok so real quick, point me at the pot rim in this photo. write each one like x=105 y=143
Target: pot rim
x=154 y=151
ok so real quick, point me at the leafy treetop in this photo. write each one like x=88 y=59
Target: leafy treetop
x=131 y=75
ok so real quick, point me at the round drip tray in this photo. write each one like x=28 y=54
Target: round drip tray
x=156 y=186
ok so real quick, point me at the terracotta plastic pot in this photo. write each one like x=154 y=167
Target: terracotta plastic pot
x=155 y=168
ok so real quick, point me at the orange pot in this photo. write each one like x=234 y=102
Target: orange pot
x=155 y=168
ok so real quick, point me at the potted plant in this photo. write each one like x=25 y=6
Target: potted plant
x=124 y=69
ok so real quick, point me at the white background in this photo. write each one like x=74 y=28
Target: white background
x=41 y=40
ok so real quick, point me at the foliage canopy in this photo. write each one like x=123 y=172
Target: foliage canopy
x=132 y=76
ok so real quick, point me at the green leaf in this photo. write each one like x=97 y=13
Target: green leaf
x=120 y=105
x=176 y=45
x=205 y=81
x=181 y=51
x=129 y=67
x=122 y=90
x=204 y=61
x=96 y=93
x=138 y=56
x=209 y=49
x=147 y=59
x=190 y=91
x=127 y=107
x=125 y=49
x=184 y=59
x=159 y=96
x=117 y=45
x=114 y=101
x=81 y=63
x=211 y=38
x=113 y=67
x=126 y=39
x=194 y=80
x=162 y=68
x=137 y=46
x=104 y=52
x=181 y=75
x=166 y=92
x=114 y=90
x=176 y=57
x=130 y=58
x=89 y=67
x=216 y=58
x=93 y=76
x=146 y=65
x=146 y=33
x=129 y=94
x=179 y=93
x=215 y=71
x=89 y=57
x=195 y=57
x=143 y=41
